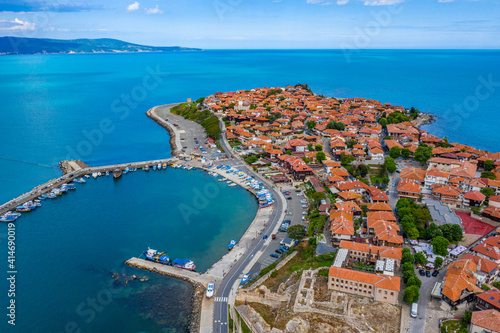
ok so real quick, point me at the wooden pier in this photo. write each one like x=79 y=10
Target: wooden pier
x=79 y=172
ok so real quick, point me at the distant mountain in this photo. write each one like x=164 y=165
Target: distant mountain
x=21 y=45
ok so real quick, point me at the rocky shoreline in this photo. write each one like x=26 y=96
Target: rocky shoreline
x=196 y=296
x=425 y=119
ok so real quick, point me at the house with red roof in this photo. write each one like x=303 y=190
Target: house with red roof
x=487 y=251
x=459 y=283
x=473 y=198
x=487 y=270
x=490 y=299
x=409 y=188
x=487 y=321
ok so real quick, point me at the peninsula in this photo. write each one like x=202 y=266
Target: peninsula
x=21 y=45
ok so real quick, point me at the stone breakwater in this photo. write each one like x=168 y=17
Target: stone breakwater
x=198 y=288
x=151 y=113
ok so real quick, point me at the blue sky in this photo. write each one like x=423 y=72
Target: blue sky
x=293 y=24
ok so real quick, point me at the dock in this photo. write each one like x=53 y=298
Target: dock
x=78 y=172
x=184 y=274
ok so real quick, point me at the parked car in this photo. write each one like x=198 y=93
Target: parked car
x=435 y=273
x=428 y=273
x=288 y=198
x=274 y=255
x=265 y=237
x=422 y=272
x=210 y=290
x=273 y=236
x=280 y=251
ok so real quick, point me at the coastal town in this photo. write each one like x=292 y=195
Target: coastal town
x=410 y=219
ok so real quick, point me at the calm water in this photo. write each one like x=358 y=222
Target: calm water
x=68 y=250
x=92 y=107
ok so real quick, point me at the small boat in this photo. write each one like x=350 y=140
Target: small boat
x=127 y=170
x=154 y=167
x=79 y=180
x=221 y=179
x=69 y=186
x=146 y=168
x=184 y=264
x=232 y=185
x=94 y=174
x=159 y=257
x=12 y=214
x=246 y=277
x=8 y=218
x=23 y=209
x=159 y=166
x=164 y=166
x=87 y=176
x=229 y=181
x=107 y=173
x=143 y=168
x=117 y=173
x=232 y=243
x=44 y=196
x=99 y=174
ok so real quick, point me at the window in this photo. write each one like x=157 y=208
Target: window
x=392 y=294
x=385 y=292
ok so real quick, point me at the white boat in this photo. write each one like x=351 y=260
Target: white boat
x=232 y=185
x=95 y=175
x=87 y=176
x=159 y=166
x=221 y=179
x=99 y=174
x=107 y=173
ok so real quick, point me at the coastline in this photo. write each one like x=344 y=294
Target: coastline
x=172 y=131
x=425 y=119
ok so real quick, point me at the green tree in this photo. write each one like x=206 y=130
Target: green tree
x=396 y=118
x=407 y=266
x=363 y=170
x=390 y=164
x=317 y=197
x=312 y=241
x=467 y=317
x=420 y=258
x=440 y=245
x=433 y=231
x=407 y=258
x=310 y=124
x=422 y=154
x=310 y=146
x=395 y=152
x=383 y=121
x=411 y=294
x=452 y=232
x=318 y=147
x=405 y=250
x=414 y=281
x=488 y=191
x=251 y=159
x=320 y=156
x=405 y=152
x=489 y=165
x=489 y=175
x=345 y=160
x=340 y=126
x=406 y=212
x=331 y=124
x=288 y=152
x=297 y=232
x=438 y=262
x=407 y=275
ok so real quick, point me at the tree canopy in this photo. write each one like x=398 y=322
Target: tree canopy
x=395 y=152
x=390 y=164
x=488 y=191
x=297 y=232
x=405 y=152
x=440 y=245
x=422 y=154
x=320 y=156
x=411 y=294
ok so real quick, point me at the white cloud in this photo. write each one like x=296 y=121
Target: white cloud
x=444 y=1
x=133 y=6
x=382 y=2
x=342 y=2
x=17 y=24
x=155 y=10
x=319 y=2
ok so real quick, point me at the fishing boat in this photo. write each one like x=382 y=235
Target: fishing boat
x=79 y=180
x=232 y=243
x=107 y=173
x=87 y=176
x=8 y=218
x=94 y=174
x=22 y=209
x=229 y=181
x=164 y=166
x=44 y=196
x=99 y=174
x=117 y=173
x=126 y=170
x=184 y=264
x=146 y=168
x=159 y=257
x=154 y=167
x=246 y=277
x=159 y=166
x=222 y=179
x=69 y=186
x=232 y=185
x=16 y=214
x=51 y=196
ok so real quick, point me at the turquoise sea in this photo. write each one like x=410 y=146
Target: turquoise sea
x=92 y=107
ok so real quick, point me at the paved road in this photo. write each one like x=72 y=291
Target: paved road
x=236 y=273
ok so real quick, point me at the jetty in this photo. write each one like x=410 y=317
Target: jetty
x=77 y=171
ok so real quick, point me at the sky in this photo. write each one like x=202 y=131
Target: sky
x=262 y=24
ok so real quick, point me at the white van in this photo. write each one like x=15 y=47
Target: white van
x=414 y=309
